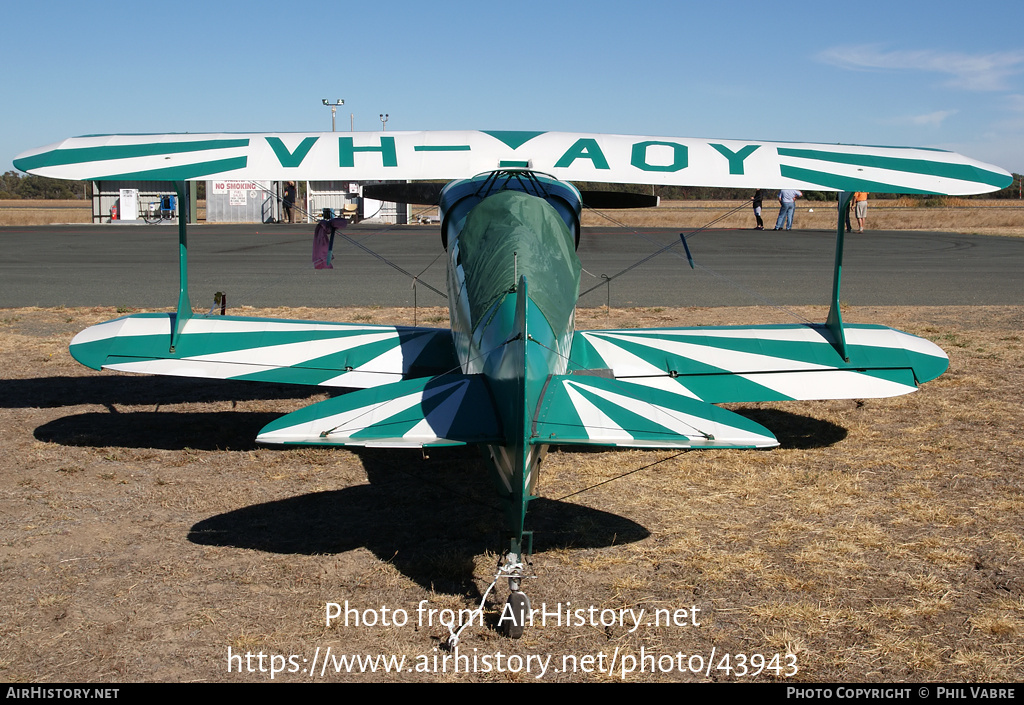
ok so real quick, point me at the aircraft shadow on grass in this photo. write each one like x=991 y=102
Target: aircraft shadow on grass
x=166 y=430
x=237 y=430
x=429 y=517
x=139 y=390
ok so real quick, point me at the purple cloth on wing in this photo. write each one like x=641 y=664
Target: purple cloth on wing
x=322 y=242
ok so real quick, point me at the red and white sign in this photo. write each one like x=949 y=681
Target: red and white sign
x=228 y=186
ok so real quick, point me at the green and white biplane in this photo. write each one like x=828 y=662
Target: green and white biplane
x=513 y=375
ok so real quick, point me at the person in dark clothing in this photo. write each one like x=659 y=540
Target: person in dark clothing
x=757 y=198
x=288 y=202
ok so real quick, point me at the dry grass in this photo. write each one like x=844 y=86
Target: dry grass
x=957 y=215
x=51 y=212
x=44 y=212
x=144 y=533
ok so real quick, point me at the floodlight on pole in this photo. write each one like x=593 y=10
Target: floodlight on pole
x=384 y=121
x=334 y=108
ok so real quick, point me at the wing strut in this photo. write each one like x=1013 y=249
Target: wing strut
x=184 y=313
x=834 y=322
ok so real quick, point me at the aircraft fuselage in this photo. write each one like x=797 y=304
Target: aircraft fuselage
x=513 y=280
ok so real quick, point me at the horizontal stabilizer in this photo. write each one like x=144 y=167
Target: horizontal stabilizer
x=591 y=410
x=267 y=350
x=763 y=363
x=448 y=410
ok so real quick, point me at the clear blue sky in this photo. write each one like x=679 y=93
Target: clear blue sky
x=935 y=74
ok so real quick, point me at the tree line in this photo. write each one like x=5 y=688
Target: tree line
x=16 y=186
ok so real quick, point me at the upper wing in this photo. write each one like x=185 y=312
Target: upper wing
x=571 y=156
x=762 y=363
x=267 y=350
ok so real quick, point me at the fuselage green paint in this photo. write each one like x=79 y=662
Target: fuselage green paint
x=504 y=237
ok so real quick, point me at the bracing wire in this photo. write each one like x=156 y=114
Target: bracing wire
x=665 y=248
x=619 y=477
x=684 y=237
x=663 y=410
x=357 y=243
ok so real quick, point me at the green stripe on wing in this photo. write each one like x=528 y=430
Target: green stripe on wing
x=269 y=350
x=80 y=155
x=926 y=167
x=178 y=173
x=764 y=363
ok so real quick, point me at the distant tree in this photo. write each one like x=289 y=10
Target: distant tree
x=17 y=186
x=1011 y=191
x=9 y=185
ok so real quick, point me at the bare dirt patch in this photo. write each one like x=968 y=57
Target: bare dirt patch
x=144 y=533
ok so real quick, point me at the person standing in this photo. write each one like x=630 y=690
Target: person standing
x=849 y=205
x=288 y=201
x=860 y=208
x=758 y=198
x=787 y=206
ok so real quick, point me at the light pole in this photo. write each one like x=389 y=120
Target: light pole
x=384 y=122
x=334 y=109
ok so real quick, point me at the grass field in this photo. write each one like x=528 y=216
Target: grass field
x=44 y=212
x=955 y=215
x=145 y=534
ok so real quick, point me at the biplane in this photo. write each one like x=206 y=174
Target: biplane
x=512 y=374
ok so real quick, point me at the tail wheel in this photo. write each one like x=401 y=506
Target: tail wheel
x=515 y=615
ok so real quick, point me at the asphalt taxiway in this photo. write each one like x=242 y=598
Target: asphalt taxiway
x=270 y=265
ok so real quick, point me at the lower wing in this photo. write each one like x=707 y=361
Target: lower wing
x=762 y=363
x=266 y=350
